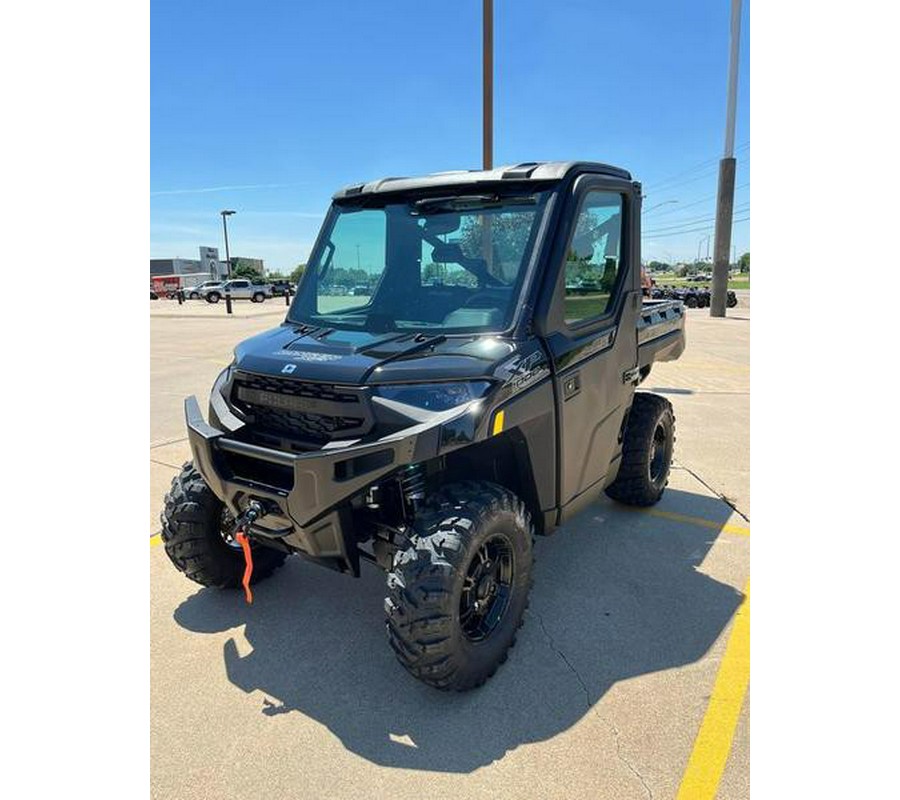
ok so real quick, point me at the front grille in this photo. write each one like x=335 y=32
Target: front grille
x=313 y=412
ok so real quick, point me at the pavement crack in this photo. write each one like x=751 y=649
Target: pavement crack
x=163 y=463
x=587 y=699
x=716 y=492
x=634 y=771
x=165 y=442
x=562 y=656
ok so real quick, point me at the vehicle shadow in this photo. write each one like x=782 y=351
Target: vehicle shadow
x=616 y=595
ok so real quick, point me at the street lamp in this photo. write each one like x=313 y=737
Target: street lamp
x=664 y=203
x=225 y=214
x=704 y=239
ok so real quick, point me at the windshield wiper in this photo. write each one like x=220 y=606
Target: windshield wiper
x=472 y=201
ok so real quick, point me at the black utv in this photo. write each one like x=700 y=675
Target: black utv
x=481 y=391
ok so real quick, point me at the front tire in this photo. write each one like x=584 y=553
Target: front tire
x=193 y=296
x=646 y=452
x=259 y=297
x=458 y=594
x=192 y=531
x=213 y=297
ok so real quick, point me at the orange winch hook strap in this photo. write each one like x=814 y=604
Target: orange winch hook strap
x=248 y=560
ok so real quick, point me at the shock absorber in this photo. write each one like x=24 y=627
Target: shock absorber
x=412 y=487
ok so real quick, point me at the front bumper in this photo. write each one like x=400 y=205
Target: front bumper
x=306 y=494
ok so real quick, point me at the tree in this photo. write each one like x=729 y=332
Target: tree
x=297 y=272
x=245 y=271
x=744 y=262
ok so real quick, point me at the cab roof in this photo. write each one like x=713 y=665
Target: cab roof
x=524 y=172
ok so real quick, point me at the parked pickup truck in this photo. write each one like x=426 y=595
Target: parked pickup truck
x=239 y=289
x=281 y=287
x=481 y=392
x=195 y=292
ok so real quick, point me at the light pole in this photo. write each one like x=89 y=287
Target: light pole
x=225 y=214
x=487 y=84
x=700 y=244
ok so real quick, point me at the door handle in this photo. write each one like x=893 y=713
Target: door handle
x=571 y=385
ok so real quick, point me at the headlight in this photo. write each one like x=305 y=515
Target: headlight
x=434 y=396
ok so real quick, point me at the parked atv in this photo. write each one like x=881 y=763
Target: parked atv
x=481 y=392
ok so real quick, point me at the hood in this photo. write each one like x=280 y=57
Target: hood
x=358 y=357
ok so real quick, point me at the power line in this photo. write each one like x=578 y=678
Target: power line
x=695 y=220
x=704 y=229
x=708 y=173
x=691 y=170
x=682 y=206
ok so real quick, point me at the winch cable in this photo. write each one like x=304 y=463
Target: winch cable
x=253 y=513
x=248 y=568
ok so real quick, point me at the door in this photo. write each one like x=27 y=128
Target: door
x=240 y=290
x=594 y=348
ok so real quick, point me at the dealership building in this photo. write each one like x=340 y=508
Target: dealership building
x=206 y=268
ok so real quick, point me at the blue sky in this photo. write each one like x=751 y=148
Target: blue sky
x=268 y=108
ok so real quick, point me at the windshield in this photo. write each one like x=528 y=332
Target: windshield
x=440 y=264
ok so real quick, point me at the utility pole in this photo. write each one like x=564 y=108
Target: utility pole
x=727 y=166
x=487 y=80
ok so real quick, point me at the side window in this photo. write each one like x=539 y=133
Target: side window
x=593 y=259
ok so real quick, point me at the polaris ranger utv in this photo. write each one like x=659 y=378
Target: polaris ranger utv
x=477 y=387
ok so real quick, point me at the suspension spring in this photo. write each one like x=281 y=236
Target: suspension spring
x=412 y=487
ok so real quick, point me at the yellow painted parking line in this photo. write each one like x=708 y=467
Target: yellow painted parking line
x=155 y=539
x=713 y=743
x=704 y=523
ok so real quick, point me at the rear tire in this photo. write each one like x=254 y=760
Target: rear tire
x=192 y=533
x=646 y=452
x=458 y=594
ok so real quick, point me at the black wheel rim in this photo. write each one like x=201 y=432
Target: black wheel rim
x=487 y=588
x=658 y=447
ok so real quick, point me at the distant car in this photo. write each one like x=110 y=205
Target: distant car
x=195 y=292
x=360 y=291
x=280 y=288
x=239 y=289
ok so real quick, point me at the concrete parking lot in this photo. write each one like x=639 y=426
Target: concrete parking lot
x=628 y=679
